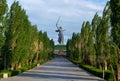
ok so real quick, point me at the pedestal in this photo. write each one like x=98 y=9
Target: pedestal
x=5 y=75
x=38 y=65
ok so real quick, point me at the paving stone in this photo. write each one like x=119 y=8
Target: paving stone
x=58 y=69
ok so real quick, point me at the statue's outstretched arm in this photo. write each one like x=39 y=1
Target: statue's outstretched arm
x=57 y=26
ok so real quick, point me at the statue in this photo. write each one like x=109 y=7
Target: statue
x=60 y=33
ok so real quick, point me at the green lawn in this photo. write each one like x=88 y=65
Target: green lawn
x=60 y=47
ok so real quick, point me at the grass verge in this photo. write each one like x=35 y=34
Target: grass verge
x=19 y=71
x=95 y=71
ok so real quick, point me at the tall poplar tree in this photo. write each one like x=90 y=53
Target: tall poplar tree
x=3 y=9
x=24 y=44
x=115 y=20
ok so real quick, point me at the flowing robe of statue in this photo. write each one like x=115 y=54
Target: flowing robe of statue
x=60 y=35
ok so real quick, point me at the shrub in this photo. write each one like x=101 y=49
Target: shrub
x=95 y=71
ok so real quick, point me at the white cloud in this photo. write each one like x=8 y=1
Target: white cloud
x=31 y=2
x=95 y=7
x=63 y=12
x=44 y=13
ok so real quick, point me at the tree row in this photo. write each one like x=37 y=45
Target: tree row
x=22 y=43
x=95 y=45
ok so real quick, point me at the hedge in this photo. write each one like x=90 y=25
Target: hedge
x=95 y=71
x=18 y=71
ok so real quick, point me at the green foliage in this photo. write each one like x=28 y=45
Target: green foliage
x=115 y=32
x=20 y=70
x=94 y=46
x=60 y=47
x=115 y=20
x=3 y=6
x=102 y=38
x=95 y=71
x=72 y=47
x=24 y=44
x=3 y=10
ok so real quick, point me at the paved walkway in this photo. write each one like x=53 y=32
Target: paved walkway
x=58 y=69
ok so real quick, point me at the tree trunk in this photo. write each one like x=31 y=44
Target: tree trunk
x=118 y=71
x=99 y=65
x=113 y=73
x=105 y=65
x=118 y=65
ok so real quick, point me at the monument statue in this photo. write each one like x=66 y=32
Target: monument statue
x=60 y=33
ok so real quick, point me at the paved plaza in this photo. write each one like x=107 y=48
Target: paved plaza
x=58 y=69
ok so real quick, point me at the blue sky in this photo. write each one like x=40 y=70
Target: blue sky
x=44 y=14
